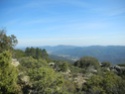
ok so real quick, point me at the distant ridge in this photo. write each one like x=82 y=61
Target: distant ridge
x=113 y=54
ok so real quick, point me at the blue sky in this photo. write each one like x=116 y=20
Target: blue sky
x=64 y=22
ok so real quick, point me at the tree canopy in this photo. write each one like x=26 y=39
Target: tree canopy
x=7 y=42
x=86 y=62
x=36 y=53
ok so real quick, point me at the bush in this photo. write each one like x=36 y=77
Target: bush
x=46 y=81
x=107 y=83
x=87 y=62
x=8 y=75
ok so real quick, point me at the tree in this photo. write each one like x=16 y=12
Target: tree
x=8 y=75
x=36 y=53
x=44 y=54
x=87 y=62
x=7 y=42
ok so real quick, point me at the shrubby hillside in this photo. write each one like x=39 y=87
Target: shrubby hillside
x=31 y=71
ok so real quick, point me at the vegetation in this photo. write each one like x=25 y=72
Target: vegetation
x=37 y=74
x=17 y=53
x=106 y=83
x=46 y=81
x=106 y=64
x=8 y=75
x=87 y=63
x=36 y=53
x=7 y=42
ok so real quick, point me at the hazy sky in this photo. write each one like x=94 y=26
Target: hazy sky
x=69 y=22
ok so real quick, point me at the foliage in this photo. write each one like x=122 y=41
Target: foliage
x=122 y=65
x=64 y=67
x=35 y=76
x=31 y=63
x=105 y=64
x=46 y=81
x=76 y=70
x=7 y=42
x=18 y=53
x=8 y=75
x=36 y=53
x=70 y=87
x=107 y=83
x=26 y=65
x=42 y=77
x=87 y=62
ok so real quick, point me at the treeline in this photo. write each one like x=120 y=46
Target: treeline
x=36 y=53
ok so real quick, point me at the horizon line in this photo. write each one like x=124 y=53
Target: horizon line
x=66 y=45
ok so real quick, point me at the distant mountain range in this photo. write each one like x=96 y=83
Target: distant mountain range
x=113 y=54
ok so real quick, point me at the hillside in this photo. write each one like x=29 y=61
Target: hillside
x=113 y=54
x=31 y=71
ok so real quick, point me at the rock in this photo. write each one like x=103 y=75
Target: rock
x=51 y=64
x=118 y=69
x=15 y=62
